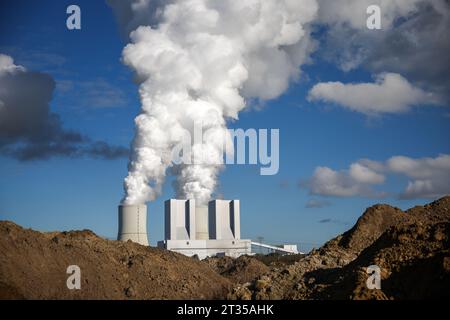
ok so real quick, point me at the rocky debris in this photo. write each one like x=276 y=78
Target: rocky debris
x=240 y=292
x=33 y=266
x=411 y=248
x=369 y=227
x=434 y=212
x=274 y=260
x=241 y=270
x=412 y=262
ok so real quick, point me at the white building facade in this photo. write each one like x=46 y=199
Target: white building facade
x=204 y=231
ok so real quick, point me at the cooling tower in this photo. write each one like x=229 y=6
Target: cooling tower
x=133 y=223
x=201 y=223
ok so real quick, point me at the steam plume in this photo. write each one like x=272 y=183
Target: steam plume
x=198 y=61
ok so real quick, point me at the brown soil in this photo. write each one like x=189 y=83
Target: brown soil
x=275 y=260
x=241 y=270
x=33 y=266
x=411 y=248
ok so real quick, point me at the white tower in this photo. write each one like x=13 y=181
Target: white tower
x=133 y=223
x=224 y=219
x=201 y=223
x=179 y=219
x=204 y=231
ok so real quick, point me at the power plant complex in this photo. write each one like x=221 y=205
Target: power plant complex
x=191 y=229
x=204 y=231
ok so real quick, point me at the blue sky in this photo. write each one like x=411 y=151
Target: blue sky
x=95 y=95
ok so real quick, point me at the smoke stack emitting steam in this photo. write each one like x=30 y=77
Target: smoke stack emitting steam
x=199 y=60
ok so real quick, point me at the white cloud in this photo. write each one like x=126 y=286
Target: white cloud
x=390 y=93
x=429 y=178
x=363 y=174
x=7 y=65
x=413 y=42
x=356 y=181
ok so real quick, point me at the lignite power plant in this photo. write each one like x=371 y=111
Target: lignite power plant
x=213 y=230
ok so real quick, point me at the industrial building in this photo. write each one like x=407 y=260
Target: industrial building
x=192 y=229
x=204 y=231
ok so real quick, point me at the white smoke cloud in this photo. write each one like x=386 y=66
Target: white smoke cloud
x=198 y=60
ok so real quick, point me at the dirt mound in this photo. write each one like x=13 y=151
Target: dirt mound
x=33 y=266
x=241 y=270
x=435 y=212
x=369 y=227
x=276 y=260
x=414 y=262
x=411 y=248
